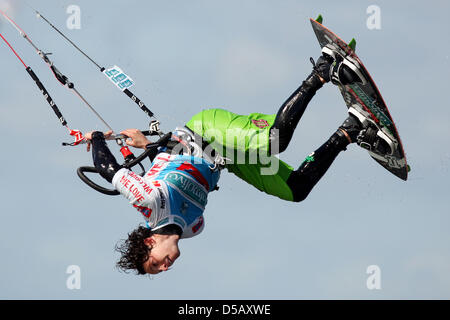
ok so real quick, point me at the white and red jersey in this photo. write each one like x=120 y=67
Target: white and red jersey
x=173 y=191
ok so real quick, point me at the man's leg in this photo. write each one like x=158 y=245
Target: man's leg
x=293 y=108
x=302 y=181
x=295 y=185
x=286 y=183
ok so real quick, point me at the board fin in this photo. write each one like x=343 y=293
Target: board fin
x=352 y=44
x=319 y=19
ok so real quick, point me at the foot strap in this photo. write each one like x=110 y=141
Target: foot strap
x=346 y=135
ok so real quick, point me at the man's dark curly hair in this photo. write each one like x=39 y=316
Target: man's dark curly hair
x=134 y=252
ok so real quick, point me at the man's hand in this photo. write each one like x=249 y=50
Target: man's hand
x=136 y=138
x=88 y=137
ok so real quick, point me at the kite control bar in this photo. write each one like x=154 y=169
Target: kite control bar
x=121 y=80
x=130 y=162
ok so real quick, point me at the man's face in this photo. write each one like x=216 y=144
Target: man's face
x=163 y=254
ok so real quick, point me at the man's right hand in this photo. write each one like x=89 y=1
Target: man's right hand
x=136 y=138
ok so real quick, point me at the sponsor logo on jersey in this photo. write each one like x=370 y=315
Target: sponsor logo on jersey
x=193 y=171
x=197 y=225
x=156 y=183
x=146 y=212
x=189 y=188
x=260 y=123
x=162 y=199
x=155 y=169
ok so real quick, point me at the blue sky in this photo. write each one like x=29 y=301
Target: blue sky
x=246 y=56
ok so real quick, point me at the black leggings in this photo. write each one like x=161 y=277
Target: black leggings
x=302 y=180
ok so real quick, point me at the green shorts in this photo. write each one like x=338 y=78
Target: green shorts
x=244 y=140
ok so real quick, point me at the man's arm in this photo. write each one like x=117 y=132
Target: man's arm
x=104 y=161
x=140 y=194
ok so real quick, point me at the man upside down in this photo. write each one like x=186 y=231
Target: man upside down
x=172 y=195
